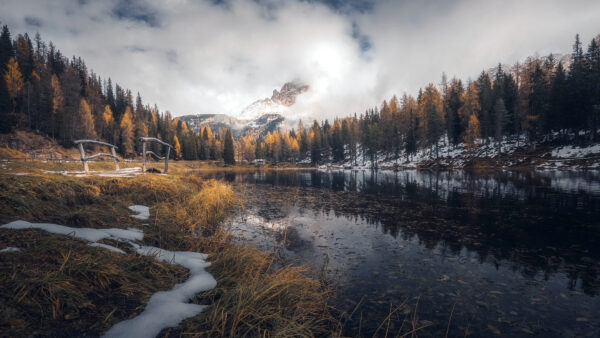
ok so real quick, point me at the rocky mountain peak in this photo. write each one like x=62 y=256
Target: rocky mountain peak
x=287 y=95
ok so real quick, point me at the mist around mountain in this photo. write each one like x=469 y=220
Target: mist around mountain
x=258 y=118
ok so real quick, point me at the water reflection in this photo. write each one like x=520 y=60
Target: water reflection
x=515 y=250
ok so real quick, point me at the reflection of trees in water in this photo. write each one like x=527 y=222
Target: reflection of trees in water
x=517 y=218
x=541 y=222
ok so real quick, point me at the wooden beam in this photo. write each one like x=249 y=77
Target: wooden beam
x=83 y=159
x=143 y=157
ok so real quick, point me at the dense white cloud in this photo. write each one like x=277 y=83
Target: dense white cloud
x=206 y=57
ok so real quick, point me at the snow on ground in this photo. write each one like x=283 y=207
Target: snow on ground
x=142 y=211
x=165 y=308
x=168 y=308
x=88 y=234
x=126 y=172
x=571 y=151
x=107 y=247
x=10 y=249
x=457 y=156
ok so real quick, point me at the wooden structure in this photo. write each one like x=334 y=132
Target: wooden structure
x=145 y=141
x=84 y=159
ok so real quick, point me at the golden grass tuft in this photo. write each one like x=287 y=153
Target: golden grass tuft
x=11 y=153
x=254 y=298
x=209 y=207
x=58 y=283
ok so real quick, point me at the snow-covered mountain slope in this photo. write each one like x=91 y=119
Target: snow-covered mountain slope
x=279 y=102
x=261 y=107
x=259 y=118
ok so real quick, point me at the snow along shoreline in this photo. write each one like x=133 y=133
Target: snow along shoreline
x=165 y=308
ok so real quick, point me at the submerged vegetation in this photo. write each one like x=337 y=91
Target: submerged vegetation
x=59 y=284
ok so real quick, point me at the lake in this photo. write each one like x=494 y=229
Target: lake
x=482 y=254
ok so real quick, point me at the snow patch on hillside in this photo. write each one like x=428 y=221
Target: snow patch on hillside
x=571 y=151
x=10 y=249
x=142 y=211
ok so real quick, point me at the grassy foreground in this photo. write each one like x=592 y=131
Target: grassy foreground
x=57 y=285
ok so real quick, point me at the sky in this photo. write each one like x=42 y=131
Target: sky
x=218 y=56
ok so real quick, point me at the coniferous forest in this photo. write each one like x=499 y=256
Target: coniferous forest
x=43 y=90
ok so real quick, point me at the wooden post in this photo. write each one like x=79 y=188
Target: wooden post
x=82 y=153
x=143 y=157
x=167 y=160
x=112 y=151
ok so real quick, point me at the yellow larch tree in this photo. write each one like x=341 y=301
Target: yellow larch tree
x=14 y=81
x=177 y=147
x=126 y=126
x=85 y=121
x=473 y=132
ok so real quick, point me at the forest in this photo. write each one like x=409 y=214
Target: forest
x=44 y=91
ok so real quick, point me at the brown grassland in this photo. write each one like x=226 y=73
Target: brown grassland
x=58 y=285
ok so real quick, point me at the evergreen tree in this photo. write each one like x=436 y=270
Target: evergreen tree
x=315 y=150
x=453 y=104
x=499 y=115
x=228 y=149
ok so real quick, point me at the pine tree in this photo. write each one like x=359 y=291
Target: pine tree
x=558 y=106
x=315 y=149
x=228 y=149
x=453 y=103
x=499 y=115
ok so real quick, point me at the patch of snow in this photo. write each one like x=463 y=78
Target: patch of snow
x=165 y=308
x=168 y=308
x=142 y=211
x=10 y=249
x=89 y=234
x=107 y=247
x=571 y=151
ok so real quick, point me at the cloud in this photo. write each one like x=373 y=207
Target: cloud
x=219 y=56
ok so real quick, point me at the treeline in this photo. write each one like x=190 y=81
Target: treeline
x=537 y=98
x=44 y=91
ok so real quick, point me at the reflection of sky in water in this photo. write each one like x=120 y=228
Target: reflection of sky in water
x=522 y=254
x=365 y=261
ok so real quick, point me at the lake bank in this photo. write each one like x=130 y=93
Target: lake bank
x=512 y=252
x=55 y=283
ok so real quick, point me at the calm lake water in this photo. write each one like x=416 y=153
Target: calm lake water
x=504 y=253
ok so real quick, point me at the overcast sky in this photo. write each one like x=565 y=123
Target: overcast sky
x=195 y=56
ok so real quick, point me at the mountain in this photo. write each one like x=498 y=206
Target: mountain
x=279 y=102
x=259 y=118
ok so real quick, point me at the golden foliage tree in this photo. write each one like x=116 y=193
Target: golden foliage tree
x=471 y=104
x=177 y=147
x=14 y=80
x=473 y=132
x=57 y=95
x=126 y=126
x=85 y=121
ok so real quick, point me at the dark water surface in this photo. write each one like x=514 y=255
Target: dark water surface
x=513 y=253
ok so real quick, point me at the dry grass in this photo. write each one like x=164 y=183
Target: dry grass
x=11 y=153
x=254 y=298
x=57 y=285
